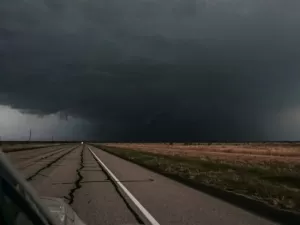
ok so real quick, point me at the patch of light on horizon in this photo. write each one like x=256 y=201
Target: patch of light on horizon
x=15 y=125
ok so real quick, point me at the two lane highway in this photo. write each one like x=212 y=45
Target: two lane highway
x=73 y=172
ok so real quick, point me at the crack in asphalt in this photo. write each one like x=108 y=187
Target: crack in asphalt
x=78 y=185
x=133 y=212
x=42 y=158
x=49 y=164
x=78 y=181
x=36 y=154
x=100 y=181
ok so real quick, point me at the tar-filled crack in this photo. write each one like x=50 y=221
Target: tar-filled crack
x=49 y=164
x=136 y=216
x=78 y=181
x=43 y=158
x=78 y=184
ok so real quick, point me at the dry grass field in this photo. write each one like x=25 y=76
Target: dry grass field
x=252 y=152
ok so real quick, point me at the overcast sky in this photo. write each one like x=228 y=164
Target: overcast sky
x=150 y=70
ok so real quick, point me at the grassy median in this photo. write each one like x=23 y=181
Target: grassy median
x=274 y=183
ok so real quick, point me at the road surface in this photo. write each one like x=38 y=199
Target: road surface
x=78 y=173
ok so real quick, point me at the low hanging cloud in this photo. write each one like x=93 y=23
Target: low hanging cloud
x=20 y=126
x=155 y=70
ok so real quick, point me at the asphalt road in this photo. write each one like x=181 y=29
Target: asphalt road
x=75 y=173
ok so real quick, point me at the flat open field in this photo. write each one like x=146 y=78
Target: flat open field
x=254 y=152
x=266 y=172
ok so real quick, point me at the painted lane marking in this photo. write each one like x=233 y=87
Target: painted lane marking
x=144 y=211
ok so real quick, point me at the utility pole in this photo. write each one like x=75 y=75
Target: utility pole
x=52 y=139
x=29 y=136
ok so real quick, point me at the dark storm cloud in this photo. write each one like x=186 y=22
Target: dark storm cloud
x=153 y=70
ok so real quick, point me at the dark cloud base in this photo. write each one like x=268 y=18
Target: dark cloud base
x=153 y=70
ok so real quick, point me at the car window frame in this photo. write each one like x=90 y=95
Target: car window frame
x=23 y=190
x=11 y=192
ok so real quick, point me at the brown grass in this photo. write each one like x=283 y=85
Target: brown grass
x=254 y=152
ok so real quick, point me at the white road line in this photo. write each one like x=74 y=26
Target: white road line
x=144 y=211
